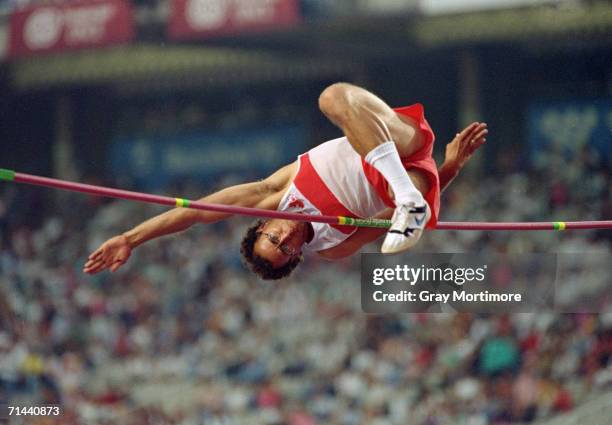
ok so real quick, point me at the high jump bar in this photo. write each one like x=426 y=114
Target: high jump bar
x=12 y=176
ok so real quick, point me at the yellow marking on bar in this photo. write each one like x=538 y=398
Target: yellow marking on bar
x=180 y=202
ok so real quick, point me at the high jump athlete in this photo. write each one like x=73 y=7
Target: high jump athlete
x=382 y=167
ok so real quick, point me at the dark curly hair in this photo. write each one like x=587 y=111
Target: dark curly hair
x=259 y=265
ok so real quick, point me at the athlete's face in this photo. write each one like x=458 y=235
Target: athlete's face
x=280 y=240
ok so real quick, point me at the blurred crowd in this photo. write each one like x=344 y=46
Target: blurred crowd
x=184 y=334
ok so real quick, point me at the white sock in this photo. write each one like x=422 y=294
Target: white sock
x=386 y=159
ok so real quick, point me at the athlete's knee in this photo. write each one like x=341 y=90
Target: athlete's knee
x=334 y=101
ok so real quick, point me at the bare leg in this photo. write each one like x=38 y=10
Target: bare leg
x=376 y=132
x=367 y=121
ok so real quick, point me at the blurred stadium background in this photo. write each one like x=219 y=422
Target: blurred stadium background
x=181 y=97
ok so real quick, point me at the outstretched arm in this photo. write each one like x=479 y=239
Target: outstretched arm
x=113 y=253
x=176 y=220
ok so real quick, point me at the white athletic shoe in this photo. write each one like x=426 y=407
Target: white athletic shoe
x=407 y=226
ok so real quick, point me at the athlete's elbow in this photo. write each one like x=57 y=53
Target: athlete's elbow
x=185 y=218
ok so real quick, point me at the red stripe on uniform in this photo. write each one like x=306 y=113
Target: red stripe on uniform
x=310 y=184
x=427 y=167
x=420 y=160
x=378 y=182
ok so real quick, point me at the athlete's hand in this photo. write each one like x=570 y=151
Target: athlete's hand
x=461 y=148
x=112 y=254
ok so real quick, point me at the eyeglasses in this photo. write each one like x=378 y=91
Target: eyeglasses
x=283 y=247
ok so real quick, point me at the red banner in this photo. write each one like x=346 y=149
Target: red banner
x=200 y=18
x=72 y=26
